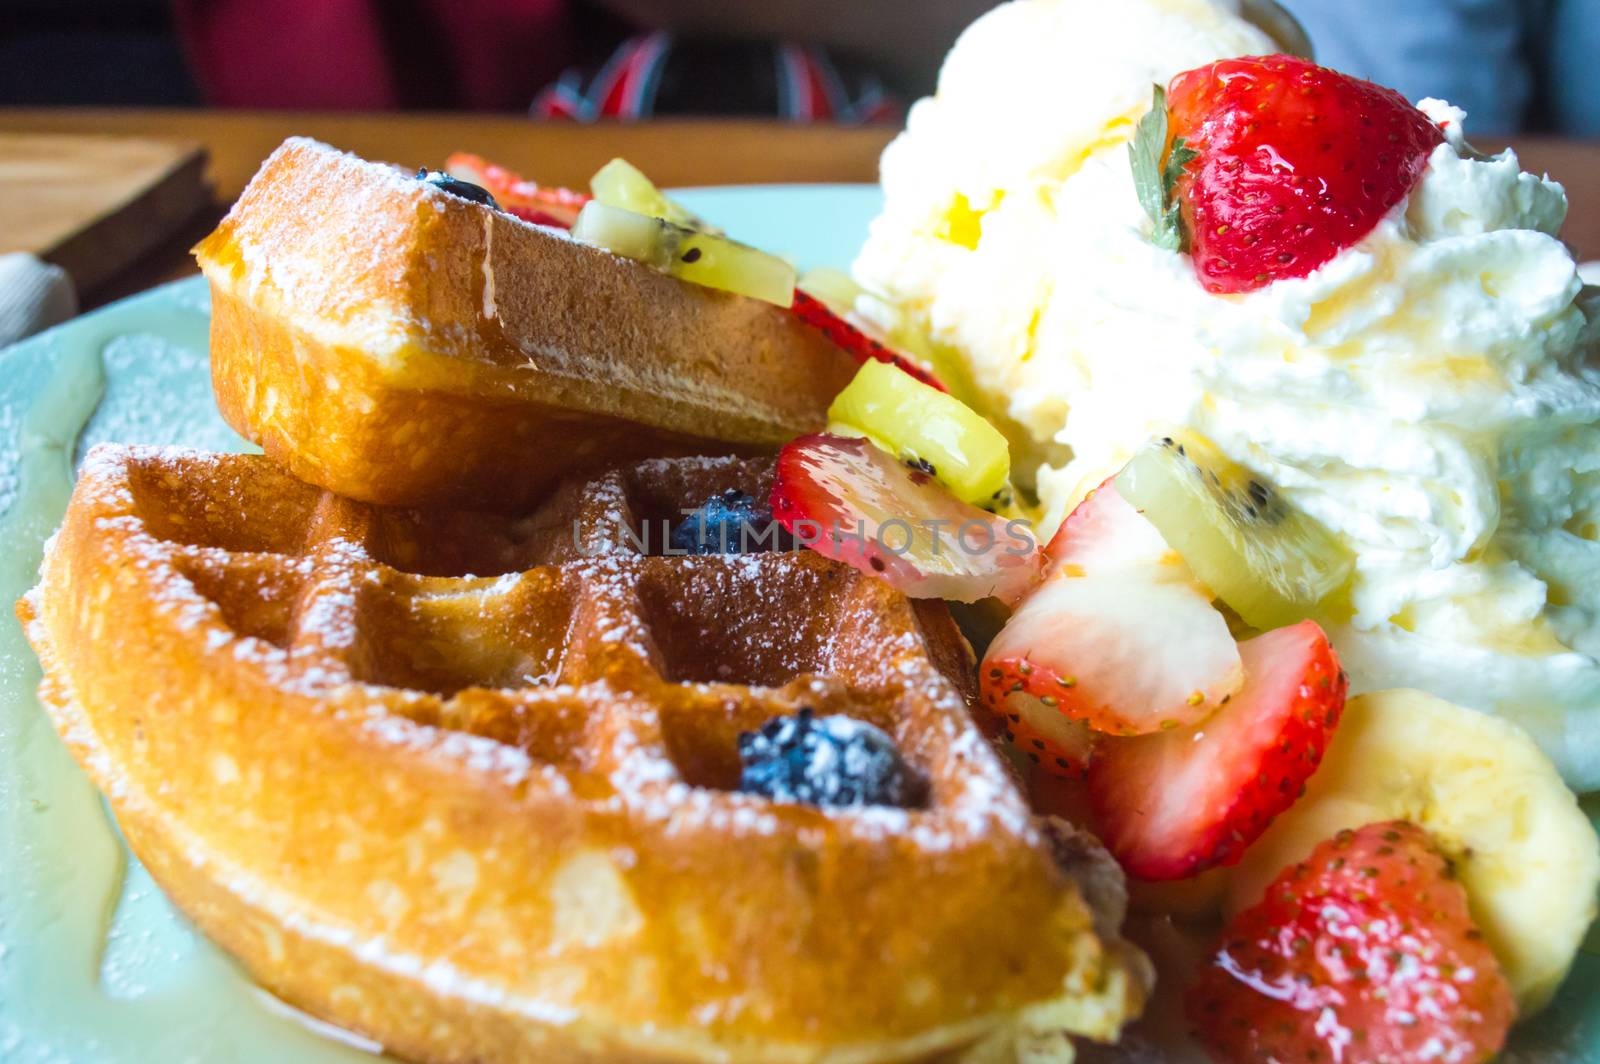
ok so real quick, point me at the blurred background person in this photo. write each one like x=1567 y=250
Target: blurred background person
x=823 y=60
x=115 y=52
x=1511 y=64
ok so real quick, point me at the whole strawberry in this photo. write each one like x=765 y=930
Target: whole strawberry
x=1364 y=952
x=1281 y=164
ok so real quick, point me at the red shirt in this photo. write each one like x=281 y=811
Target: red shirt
x=376 y=54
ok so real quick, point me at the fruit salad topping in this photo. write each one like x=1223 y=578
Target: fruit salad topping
x=854 y=502
x=1120 y=636
x=1363 y=952
x=1276 y=165
x=540 y=204
x=457 y=187
x=689 y=254
x=925 y=427
x=622 y=185
x=827 y=761
x=1052 y=741
x=1492 y=803
x=1179 y=801
x=637 y=220
x=1269 y=561
x=629 y=216
x=887 y=332
x=1120 y=668
x=729 y=523
x=854 y=339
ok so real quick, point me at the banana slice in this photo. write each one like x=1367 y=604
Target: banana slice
x=1525 y=852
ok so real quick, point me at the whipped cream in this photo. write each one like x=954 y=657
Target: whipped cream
x=1432 y=395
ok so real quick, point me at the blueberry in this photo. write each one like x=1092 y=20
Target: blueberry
x=457 y=187
x=729 y=523
x=831 y=761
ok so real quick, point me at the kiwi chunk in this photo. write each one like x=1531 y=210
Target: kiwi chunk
x=1267 y=560
x=688 y=254
x=622 y=185
x=933 y=431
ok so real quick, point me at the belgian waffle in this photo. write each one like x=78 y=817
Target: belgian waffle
x=396 y=344
x=466 y=783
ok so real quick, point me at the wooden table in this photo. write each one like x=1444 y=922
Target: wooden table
x=674 y=153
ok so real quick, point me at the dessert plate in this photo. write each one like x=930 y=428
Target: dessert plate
x=95 y=966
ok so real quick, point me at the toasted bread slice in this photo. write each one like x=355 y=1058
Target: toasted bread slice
x=399 y=345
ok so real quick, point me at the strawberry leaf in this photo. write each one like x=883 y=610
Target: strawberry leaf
x=1144 y=155
x=1154 y=181
x=1180 y=156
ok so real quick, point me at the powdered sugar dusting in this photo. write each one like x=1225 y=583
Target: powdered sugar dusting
x=659 y=467
x=972 y=796
x=481 y=756
x=157 y=392
x=282 y=262
x=10 y=455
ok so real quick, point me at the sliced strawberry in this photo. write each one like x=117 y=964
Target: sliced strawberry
x=1120 y=636
x=539 y=204
x=1364 y=952
x=1104 y=533
x=1176 y=803
x=841 y=331
x=851 y=501
x=1294 y=163
x=1039 y=730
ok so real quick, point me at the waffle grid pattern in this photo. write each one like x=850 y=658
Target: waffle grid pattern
x=467 y=783
x=618 y=674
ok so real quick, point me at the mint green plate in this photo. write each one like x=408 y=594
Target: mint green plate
x=95 y=966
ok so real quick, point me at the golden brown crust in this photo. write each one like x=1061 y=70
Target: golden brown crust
x=402 y=346
x=487 y=818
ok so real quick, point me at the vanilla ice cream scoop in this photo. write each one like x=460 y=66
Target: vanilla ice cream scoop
x=1431 y=395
